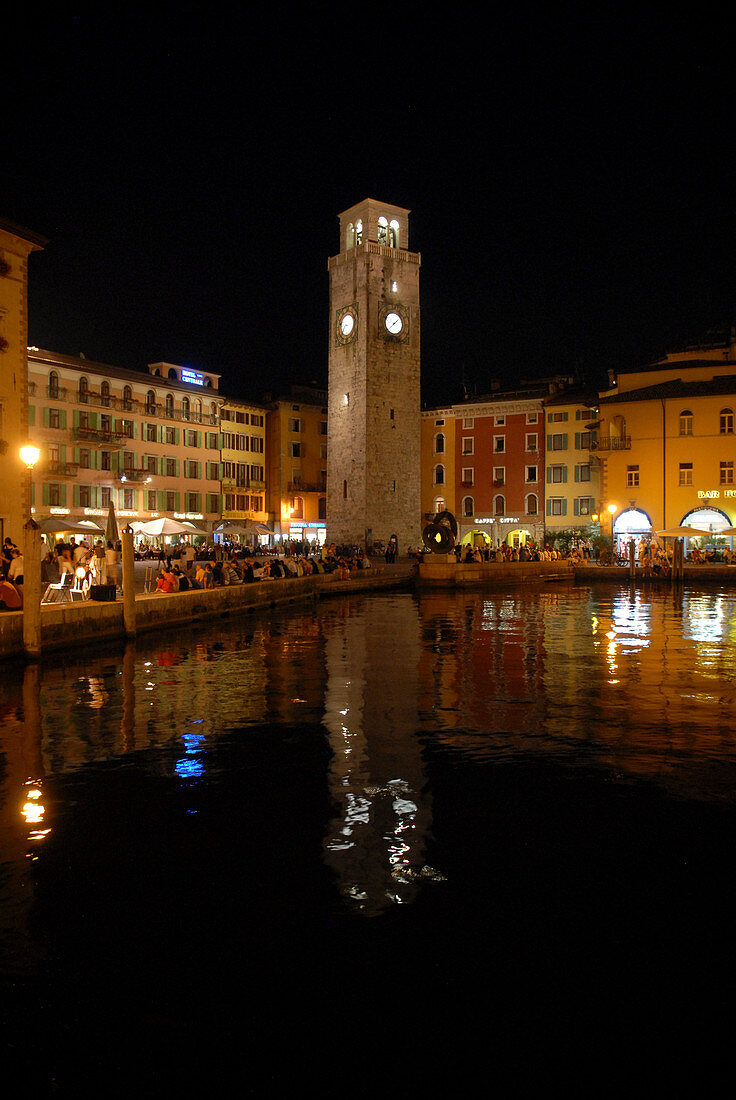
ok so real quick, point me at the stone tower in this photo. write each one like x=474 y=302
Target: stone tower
x=373 y=462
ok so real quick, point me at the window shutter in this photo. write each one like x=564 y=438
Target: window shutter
x=549 y=507
x=549 y=475
x=564 y=506
x=549 y=442
x=564 y=475
x=577 y=473
x=62 y=419
x=576 y=506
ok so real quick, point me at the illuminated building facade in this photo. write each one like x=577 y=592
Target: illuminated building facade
x=296 y=464
x=16 y=245
x=150 y=443
x=572 y=468
x=243 y=455
x=667 y=444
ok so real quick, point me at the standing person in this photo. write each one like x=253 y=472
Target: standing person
x=111 y=564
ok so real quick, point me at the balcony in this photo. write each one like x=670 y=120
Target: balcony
x=98 y=437
x=298 y=487
x=611 y=443
x=136 y=476
x=60 y=469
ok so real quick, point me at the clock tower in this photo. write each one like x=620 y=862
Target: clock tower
x=373 y=461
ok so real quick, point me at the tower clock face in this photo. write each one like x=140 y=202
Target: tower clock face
x=394 y=323
x=346 y=324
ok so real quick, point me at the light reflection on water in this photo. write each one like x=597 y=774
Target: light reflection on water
x=511 y=786
x=639 y=683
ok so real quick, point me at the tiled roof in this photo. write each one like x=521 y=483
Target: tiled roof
x=724 y=384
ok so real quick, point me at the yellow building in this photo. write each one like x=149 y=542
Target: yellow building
x=16 y=244
x=666 y=442
x=571 y=475
x=243 y=454
x=296 y=465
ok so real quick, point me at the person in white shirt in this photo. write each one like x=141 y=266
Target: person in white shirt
x=15 y=570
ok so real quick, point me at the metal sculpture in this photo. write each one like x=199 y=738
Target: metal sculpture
x=440 y=533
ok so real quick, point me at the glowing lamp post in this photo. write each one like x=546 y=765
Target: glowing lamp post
x=612 y=512
x=31 y=565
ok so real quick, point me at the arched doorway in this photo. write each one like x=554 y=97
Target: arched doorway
x=713 y=520
x=631 y=524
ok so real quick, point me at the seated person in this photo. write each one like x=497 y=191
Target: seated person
x=181 y=578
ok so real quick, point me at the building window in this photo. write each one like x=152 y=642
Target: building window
x=468 y=422
x=632 y=476
x=531 y=442
x=439 y=444
x=170 y=500
x=585 y=506
x=105 y=395
x=105 y=460
x=54 y=495
x=499 y=505
x=151 y=403
x=84 y=458
x=557 y=475
x=295 y=424
x=468 y=506
x=151 y=499
x=439 y=423
x=686 y=473
x=83 y=391
x=499 y=421
x=557 y=442
x=439 y=475
x=54 y=385
x=127 y=398
x=468 y=475
x=531 y=474
x=499 y=475
x=468 y=445
x=583 y=473
x=556 y=417
x=686 y=422
x=151 y=433
x=54 y=418
x=128 y=499
x=532 y=418
x=532 y=505
x=727 y=473
x=726 y=420
x=499 y=444
x=556 y=506
x=105 y=496
x=439 y=504
x=295 y=450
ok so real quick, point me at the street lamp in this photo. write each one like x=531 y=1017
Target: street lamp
x=31 y=565
x=612 y=508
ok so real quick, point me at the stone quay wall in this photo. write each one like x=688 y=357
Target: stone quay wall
x=74 y=624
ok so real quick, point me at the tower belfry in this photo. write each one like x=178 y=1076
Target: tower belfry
x=373 y=461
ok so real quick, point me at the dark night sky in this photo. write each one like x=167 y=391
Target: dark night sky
x=569 y=171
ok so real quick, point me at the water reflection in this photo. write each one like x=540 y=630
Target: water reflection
x=638 y=682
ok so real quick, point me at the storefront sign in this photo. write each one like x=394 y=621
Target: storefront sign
x=714 y=494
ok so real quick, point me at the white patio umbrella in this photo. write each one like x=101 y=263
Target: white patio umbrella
x=165 y=526
x=62 y=525
x=682 y=533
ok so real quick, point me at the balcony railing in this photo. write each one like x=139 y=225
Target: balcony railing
x=298 y=487
x=60 y=469
x=135 y=475
x=98 y=437
x=611 y=443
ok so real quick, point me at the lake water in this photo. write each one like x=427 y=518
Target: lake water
x=375 y=844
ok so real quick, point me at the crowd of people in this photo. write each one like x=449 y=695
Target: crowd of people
x=240 y=566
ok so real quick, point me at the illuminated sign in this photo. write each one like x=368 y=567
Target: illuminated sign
x=193 y=377
x=714 y=494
